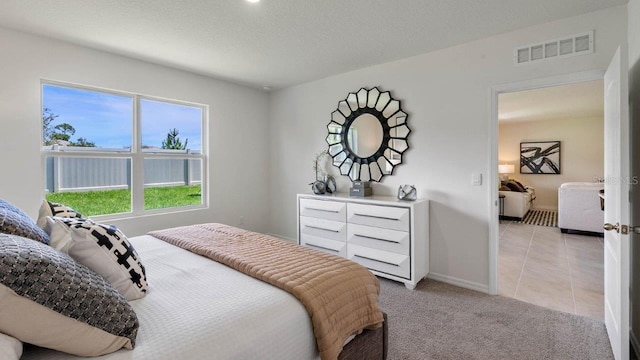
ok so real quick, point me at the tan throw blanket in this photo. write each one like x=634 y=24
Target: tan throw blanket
x=340 y=295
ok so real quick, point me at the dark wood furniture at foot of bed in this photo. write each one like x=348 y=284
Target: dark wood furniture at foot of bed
x=369 y=345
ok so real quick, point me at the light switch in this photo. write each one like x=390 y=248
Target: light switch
x=476 y=179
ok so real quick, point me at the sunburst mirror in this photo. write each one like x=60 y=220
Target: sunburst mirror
x=368 y=135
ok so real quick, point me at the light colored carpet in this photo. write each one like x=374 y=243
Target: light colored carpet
x=440 y=321
x=541 y=218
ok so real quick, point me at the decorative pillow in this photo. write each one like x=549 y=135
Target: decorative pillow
x=51 y=301
x=514 y=186
x=102 y=248
x=15 y=221
x=10 y=347
x=54 y=209
x=524 y=188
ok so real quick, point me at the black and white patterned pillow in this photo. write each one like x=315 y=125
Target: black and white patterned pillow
x=102 y=248
x=14 y=221
x=55 y=209
x=50 y=300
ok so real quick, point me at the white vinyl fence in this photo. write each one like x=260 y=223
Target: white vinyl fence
x=87 y=173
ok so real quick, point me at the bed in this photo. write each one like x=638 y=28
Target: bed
x=197 y=308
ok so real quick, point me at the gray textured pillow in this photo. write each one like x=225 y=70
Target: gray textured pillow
x=15 y=221
x=51 y=301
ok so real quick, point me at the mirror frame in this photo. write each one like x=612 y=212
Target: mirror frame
x=368 y=101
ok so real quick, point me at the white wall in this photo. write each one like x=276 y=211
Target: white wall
x=238 y=124
x=581 y=151
x=447 y=96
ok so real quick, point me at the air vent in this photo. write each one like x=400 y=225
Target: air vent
x=579 y=44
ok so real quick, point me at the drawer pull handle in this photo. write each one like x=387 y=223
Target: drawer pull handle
x=377 y=217
x=320 y=228
x=376 y=238
x=324 y=210
x=321 y=247
x=380 y=261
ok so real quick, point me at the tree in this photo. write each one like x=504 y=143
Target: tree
x=173 y=141
x=61 y=133
x=82 y=142
x=47 y=129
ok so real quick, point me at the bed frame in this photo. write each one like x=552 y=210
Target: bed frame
x=369 y=345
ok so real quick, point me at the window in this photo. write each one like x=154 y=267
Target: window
x=109 y=152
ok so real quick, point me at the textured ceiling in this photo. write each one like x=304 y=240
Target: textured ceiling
x=581 y=100
x=279 y=42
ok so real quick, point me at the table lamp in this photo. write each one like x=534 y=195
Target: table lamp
x=505 y=170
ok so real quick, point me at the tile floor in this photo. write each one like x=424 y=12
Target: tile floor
x=543 y=266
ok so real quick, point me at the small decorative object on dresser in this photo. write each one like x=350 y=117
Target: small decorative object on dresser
x=360 y=189
x=324 y=183
x=330 y=184
x=318 y=187
x=388 y=236
x=407 y=192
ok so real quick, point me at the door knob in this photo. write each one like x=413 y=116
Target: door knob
x=610 y=227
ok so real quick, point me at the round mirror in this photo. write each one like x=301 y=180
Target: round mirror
x=368 y=135
x=364 y=136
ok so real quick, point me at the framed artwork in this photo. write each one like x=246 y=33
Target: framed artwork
x=542 y=157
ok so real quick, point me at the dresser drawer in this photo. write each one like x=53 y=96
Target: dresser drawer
x=328 y=229
x=323 y=209
x=332 y=247
x=383 y=261
x=379 y=216
x=377 y=238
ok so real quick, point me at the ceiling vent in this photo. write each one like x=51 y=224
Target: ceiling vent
x=579 y=44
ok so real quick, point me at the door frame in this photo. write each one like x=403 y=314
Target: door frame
x=494 y=92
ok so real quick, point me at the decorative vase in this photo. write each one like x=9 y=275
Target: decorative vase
x=318 y=187
x=407 y=192
x=330 y=184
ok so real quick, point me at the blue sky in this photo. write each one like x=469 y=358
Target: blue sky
x=106 y=119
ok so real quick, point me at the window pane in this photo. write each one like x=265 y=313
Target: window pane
x=172 y=183
x=84 y=118
x=170 y=126
x=90 y=185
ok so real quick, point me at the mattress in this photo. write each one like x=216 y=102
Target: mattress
x=197 y=309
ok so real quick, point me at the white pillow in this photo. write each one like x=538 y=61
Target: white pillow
x=54 y=209
x=102 y=248
x=10 y=347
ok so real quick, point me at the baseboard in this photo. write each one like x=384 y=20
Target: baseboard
x=295 y=241
x=459 y=282
x=635 y=345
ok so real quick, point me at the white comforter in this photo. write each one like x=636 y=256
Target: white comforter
x=199 y=309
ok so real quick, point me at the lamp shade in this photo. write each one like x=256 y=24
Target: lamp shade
x=506 y=169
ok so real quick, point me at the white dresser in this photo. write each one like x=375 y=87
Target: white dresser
x=388 y=236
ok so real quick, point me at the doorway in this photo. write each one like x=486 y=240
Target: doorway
x=543 y=260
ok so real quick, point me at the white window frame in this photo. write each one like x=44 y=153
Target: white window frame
x=136 y=154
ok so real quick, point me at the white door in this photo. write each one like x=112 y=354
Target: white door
x=616 y=245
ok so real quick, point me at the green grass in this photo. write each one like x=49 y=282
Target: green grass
x=91 y=203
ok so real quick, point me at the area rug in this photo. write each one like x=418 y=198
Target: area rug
x=541 y=218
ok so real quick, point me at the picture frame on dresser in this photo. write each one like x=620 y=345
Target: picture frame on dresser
x=388 y=236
